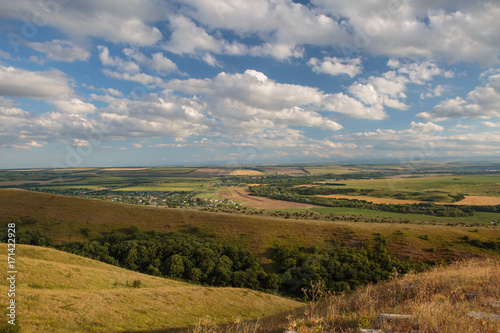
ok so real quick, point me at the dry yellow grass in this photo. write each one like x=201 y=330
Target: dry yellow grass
x=61 y=292
x=438 y=301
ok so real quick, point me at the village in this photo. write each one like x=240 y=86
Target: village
x=167 y=199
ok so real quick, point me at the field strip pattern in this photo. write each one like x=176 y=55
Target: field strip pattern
x=243 y=195
x=469 y=200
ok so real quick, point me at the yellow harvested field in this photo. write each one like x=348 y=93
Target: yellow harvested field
x=245 y=172
x=478 y=200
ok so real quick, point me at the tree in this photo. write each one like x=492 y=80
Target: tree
x=175 y=266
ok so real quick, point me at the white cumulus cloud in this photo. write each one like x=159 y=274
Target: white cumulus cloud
x=17 y=82
x=336 y=66
x=61 y=50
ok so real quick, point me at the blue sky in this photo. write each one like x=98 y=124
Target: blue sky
x=149 y=82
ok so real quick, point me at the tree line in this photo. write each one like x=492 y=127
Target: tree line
x=286 y=193
x=197 y=258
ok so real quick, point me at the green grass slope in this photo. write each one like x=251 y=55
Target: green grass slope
x=62 y=292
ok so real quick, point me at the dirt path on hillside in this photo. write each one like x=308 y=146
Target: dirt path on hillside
x=243 y=195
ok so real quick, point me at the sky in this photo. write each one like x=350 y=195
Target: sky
x=237 y=82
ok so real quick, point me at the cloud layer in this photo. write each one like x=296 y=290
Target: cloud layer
x=318 y=78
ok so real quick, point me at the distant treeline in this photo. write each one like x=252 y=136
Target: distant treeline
x=302 y=179
x=197 y=258
x=289 y=194
x=422 y=196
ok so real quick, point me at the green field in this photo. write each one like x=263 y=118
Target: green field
x=62 y=217
x=465 y=184
x=430 y=188
x=59 y=292
x=156 y=170
x=334 y=169
x=479 y=217
x=176 y=186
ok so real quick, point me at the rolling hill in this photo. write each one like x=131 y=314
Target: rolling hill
x=62 y=292
x=64 y=218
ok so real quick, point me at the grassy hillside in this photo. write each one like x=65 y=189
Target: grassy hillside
x=441 y=300
x=63 y=219
x=61 y=292
x=445 y=300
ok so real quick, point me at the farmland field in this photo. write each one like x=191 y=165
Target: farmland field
x=479 y=217
x=469 y=200
x=466 y=184
x=217 y=187
x=334 y=169
x=243 y=195
x=175 y=186
x=202 y=225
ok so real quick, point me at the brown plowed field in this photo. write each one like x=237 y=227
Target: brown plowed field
x=243 y=195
